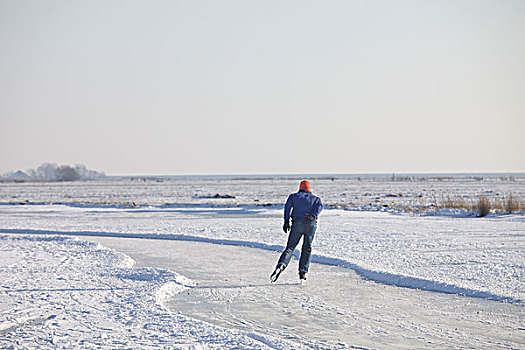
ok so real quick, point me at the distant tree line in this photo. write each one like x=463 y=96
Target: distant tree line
x=54 y=172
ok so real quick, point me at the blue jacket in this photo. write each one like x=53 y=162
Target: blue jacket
x=303 y=203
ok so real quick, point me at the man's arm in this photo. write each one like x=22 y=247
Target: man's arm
x=318 y=206
x=288 y=208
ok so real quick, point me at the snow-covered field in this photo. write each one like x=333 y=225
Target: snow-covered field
x=59 y=289
x=355 y=192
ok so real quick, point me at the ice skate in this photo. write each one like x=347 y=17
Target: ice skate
x=275 y=275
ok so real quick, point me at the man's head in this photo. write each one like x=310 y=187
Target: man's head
x=305 y=186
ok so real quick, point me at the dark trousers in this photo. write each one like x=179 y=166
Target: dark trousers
x=305 y=229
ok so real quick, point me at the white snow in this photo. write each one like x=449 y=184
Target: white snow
x=68 y=293
x=60 y=291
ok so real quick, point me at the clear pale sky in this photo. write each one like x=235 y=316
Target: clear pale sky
x=240 y=87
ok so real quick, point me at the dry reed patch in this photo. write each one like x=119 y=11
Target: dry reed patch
x=483 y=206
x=512 y=204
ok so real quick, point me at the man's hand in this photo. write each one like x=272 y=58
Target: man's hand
x=310 y=217
x=286 y=226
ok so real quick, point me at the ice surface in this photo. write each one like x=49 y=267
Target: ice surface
x=336 y=309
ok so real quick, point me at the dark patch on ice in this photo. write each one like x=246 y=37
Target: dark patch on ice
x=216 y=196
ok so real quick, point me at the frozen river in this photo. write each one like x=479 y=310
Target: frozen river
x=335 y=309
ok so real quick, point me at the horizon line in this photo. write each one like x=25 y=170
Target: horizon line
x=315 y=174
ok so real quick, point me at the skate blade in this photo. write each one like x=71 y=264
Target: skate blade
x=274 y=276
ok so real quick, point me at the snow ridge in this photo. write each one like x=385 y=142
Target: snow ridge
x=413 y=282
x=171 y=288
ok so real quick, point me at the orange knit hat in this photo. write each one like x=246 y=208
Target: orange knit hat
x=305 y=185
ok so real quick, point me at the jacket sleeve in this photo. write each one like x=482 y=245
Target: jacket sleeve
x=288 y=208
x=318 y=206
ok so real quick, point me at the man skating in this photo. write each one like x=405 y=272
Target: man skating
x=304 y=208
